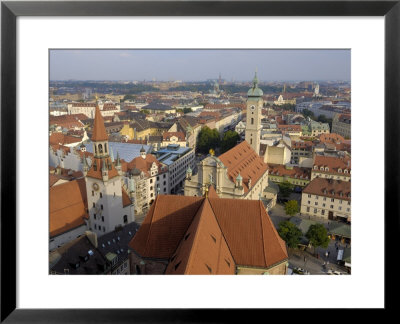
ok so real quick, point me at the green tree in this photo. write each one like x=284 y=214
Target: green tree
x=322 y=119
x=292 y=207
x=207 y=138
x=308 y=113
x=129 y=97
x=290 y=233
x=289 y=107
x=187 y=110
x=145 y=111
x=285 y=188
x=318 y=236
x=229 y=140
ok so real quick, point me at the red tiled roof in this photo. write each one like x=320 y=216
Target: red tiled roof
x=61 y=139
x=56 y=147
x=333 y=164
x=53 y=178
x=244 y=160
x=209 y=235
x=203 y=249
x=302 y=145
x=112 y=172
x=294 y=172
x=329 y=188
x=68 y=206
x=162 y=229
x=144 y=164
x=289 y=127
x=83 y=104
x=126 y=201
x=66 y=121
x=99 y=130
x=167 y=136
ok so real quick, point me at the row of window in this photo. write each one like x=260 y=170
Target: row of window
x=331 y=206
x=326 y=169
x=99 y=228
x=324 y=199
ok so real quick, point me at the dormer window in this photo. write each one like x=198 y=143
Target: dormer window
x=321 y=168
x=326 y=169
x=340 y=170
x=333 y=192
x=315 y=167
x=345 y=171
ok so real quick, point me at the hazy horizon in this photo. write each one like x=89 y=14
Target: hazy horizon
x=200 y=65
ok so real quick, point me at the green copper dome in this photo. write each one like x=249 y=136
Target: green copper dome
x=255 y=91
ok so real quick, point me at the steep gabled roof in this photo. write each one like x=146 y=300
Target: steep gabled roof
x=244 y=160
x=164 y=226
x=203 y=249
x=68 y=206
x=249 y=232
x=99 y=130
x=209 y=235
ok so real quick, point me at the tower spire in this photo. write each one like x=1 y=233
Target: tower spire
x=255 y=80
x=99 y=130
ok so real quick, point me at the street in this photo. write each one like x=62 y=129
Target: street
x=306 y=259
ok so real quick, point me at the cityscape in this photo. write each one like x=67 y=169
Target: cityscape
x=200 y=162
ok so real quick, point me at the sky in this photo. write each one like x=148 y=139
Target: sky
x=200 y=65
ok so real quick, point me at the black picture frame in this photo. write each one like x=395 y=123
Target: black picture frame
x=10 y=10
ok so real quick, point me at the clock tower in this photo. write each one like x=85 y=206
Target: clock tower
x=253 y=115
x=109 y=206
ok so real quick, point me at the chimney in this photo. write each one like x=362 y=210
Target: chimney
x=92 y=238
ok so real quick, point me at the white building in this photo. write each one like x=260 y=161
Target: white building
x=88 y=109
x=148 y=177
x=328 y=199
x=178 y=159
x=109 y=203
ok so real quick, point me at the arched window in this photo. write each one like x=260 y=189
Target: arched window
x=105 y=147
x=95 y=149
x=100 y=148
x=252 y=121
x=251 y=141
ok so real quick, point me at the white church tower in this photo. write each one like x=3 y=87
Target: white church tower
x=253 y=116
x=108 y=203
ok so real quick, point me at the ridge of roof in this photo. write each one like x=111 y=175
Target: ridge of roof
x=281 y=242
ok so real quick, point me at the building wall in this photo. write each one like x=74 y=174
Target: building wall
x=277 y=155
x=279 y=269
x=297 y=154
x=107 y=205
x=293 y=181
x=320 y=206
x=253 y=123
x=224 y=187
x=320 y=174
x=146 y=266
x=340 y=128
x=123 y=268
x=177 y=170
x=59 y=240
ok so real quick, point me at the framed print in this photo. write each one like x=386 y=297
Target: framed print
x=33 y=31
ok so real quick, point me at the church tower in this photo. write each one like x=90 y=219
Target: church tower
x=107 y=207
x=253 y=115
